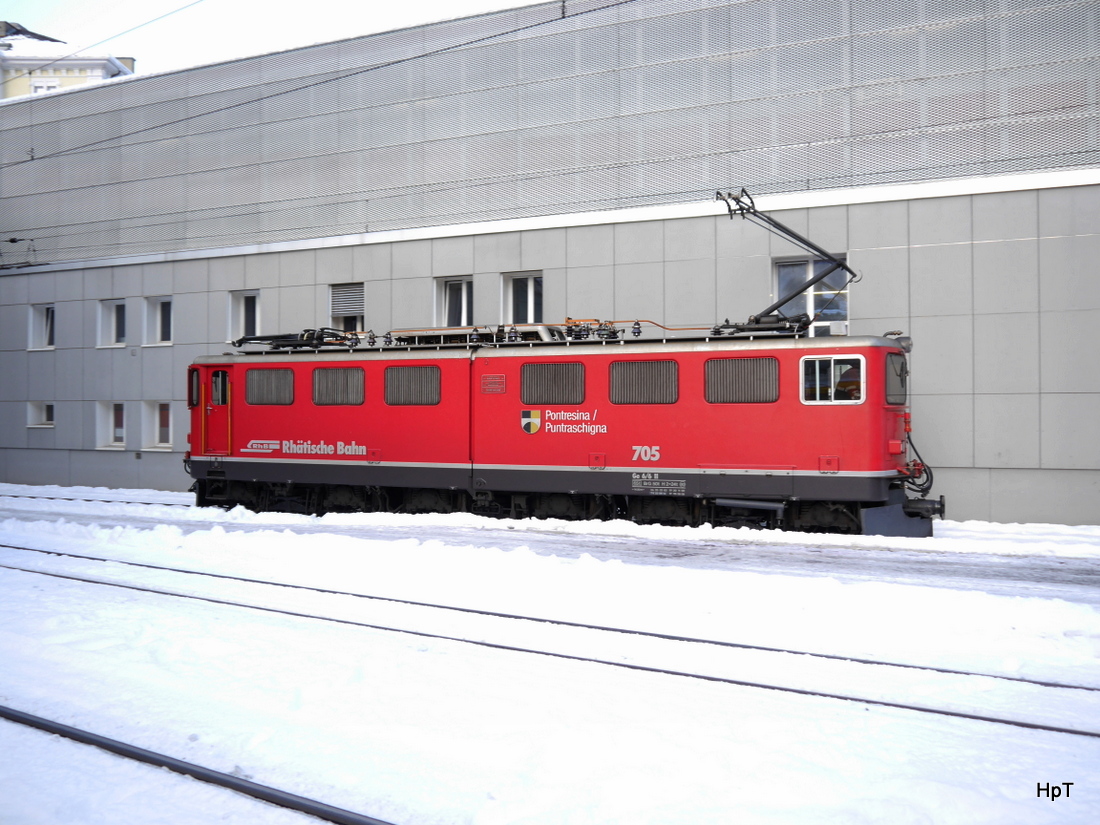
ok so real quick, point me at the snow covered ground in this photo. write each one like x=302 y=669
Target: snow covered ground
x=415 y=730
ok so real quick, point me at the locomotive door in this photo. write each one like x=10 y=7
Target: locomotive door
x=215 y=414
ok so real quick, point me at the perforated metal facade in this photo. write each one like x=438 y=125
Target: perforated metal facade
x=553 y=108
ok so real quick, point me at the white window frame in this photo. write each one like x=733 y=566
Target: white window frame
x=112 y=323
x=110 y=426
x=43 y=327
x=151 y=427
x=238 y=305
x=41 y=414
x=817 y=297
x=533 y=297
x=834 y=380
x=155 y=333
x=445 y=295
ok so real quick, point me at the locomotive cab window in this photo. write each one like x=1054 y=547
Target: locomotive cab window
x=194 y=390
x=833 y=380
x=219 y=388
x=897 y=379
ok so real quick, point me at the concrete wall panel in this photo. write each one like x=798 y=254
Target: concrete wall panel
x=1006 y=353
x=941 y=280
x=639 y=292
x=1006 y=276
x=940 y=221
x=1006 y=431
x=1068 y=265
x=497 y=253
x=1068 y=362
x=1006 y=215
x=883 y=288
x=1068 y=431
x=590 y=293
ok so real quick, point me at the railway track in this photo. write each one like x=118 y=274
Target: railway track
x=897 y=685
x=1041 y=575
x=266 y=793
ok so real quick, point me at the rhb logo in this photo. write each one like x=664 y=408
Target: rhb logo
x=531 y=421
x=261 y=445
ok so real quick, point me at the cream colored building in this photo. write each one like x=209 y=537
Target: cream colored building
x=24 y=75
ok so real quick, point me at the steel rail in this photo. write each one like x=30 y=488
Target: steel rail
x=473 y=611
x=586 y=659
x=97 y=500
x=283 y=799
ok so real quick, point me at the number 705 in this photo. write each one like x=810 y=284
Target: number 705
x=646 y=453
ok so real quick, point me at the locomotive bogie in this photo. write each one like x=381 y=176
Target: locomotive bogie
x=806 y=434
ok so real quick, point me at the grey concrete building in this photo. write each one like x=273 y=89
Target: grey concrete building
x=561 y=160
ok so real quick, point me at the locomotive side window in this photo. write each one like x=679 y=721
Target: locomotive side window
x=193 y=387
x=219 y=388
x=412 y=386
x=269 y=386
x=644 y=382
x=897 y=379
x=828 y=380
x=742 y=380
x=338 y=386
x=552 y=384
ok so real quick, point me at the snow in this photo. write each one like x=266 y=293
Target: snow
x=414 y=729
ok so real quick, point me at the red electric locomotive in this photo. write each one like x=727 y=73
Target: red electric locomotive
x=750 y=424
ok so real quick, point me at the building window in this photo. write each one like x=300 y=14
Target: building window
x=112 y=424
x=39 y=87
x=523 y=298
x=158 y=321
x=40 y=414
x=412 y=386
x=833 y=380
x=742 y=380
x=552 y=384
x=644 y=382
x=456 y=302
x=158 y=425
x=112 y=323
x=43 y=333
x=269 y=386
x=826 y=302
x=244 y=314
x=347 y=307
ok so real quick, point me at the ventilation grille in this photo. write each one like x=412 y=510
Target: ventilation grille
x=269 y=386
x=337 y=386
x=412 y=386
x=553 y=384
x=644 y=382
x=742 y=380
